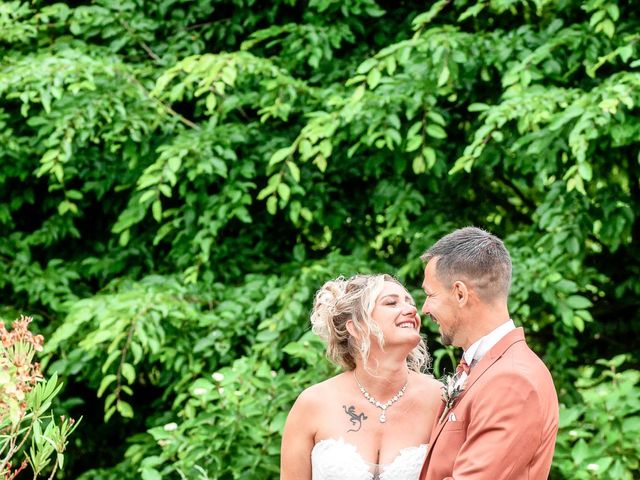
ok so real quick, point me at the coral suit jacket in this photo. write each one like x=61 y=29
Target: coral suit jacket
x=503 y=425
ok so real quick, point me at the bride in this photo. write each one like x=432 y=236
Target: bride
x=371 y=422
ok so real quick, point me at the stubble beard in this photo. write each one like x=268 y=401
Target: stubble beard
x=453 y=328
x=445 y=338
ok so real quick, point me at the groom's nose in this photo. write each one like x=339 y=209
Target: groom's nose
x=425 y=309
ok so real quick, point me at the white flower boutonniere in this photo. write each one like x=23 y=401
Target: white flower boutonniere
x=450 y=392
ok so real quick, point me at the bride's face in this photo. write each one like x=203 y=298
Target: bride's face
x=396 y=314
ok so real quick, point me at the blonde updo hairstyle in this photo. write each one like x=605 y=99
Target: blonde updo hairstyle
x=341 y=300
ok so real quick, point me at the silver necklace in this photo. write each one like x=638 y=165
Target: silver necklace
x=382 y=406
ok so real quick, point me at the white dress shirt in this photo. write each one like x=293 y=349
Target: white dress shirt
x=480 y=347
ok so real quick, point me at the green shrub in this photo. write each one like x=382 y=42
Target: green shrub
x=600 y=431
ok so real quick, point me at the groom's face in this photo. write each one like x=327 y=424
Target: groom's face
x=440 y=304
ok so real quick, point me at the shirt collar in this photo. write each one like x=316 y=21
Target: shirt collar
x=480 y=347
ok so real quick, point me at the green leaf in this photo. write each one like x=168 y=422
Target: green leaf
x=128 y=372
x=436 y=131
x=585 y=171
x=478 y=107
x=430 y=156
x=578 y=322
x=211 y=102
x=156 y=209
x=608 y=27
x=325 y=148
x=626 y=53
x=578 y=302
x=367 y=65
x=443 y=78
x=280 y=155
x=358 y=93
x=124 y=409
x=74 y=194
x=418 y=165
x=106 y=381
x=165 y=189
x=123 y=240
x=150 y=474
x=295 y=171
x=109 y=413
x=373 y=78
x=580 y=452
x=321 y=162
x=413 y=144
x=272 y=205
x=436 y=117
x=148 y=195
x=284 y=191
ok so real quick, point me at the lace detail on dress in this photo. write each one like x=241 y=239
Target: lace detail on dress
x=407 y=465
x=333 y=459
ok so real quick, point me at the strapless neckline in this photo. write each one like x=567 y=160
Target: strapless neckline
x=335 y=459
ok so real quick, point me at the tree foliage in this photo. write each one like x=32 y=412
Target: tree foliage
x=180 y=177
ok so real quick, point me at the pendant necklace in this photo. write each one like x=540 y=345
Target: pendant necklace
x=381 y=406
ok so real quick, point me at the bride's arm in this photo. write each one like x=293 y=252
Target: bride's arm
x=298 y=440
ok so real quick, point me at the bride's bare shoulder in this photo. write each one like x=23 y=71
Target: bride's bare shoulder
x=427 y=384
x=317 y=393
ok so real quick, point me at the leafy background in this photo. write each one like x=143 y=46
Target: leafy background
x=179 y=177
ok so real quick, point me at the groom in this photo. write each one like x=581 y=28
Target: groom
x=503 y=421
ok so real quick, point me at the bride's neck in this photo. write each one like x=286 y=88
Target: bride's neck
x=383 y=379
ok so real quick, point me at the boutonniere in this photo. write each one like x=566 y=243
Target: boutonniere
x=450 y=392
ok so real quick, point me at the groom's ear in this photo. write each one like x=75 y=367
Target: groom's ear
x=460 y=293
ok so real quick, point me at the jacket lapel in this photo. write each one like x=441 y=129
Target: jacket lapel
x=492 y=356
x=477 y=371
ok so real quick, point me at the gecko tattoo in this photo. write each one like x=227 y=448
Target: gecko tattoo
x=356 y=419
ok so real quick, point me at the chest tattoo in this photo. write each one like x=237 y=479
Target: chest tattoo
x=355 y=418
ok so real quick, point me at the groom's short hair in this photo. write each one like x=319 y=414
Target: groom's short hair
x=476 y=257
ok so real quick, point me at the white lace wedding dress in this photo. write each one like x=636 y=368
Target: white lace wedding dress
x=333 y=459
